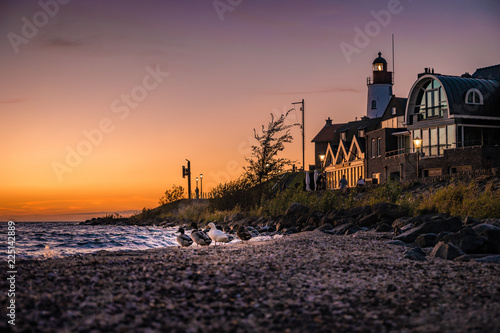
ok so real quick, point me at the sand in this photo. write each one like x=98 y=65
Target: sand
x=307 y=282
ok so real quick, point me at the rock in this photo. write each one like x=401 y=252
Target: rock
x=297 y=210
x=358 y=212
x=470 y=221
x=289 y=231
x=368 y=220
x=353 y=229
x=309 y=228
x=450 y=224
x=402 y=221
x=490 y=259
x=441 y=235
x=491 y=233
x=426 y=240
x=388 y=210
x=342 y=229
x=397 y=242
x=383 y=227
x=466 y=239
x=295 y=216
x=325 y=227
x=415 y=253
x=446 y=251
x=314 y=219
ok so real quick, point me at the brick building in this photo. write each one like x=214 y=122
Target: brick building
x=456 y=120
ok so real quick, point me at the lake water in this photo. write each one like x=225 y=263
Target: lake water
x=42 y=240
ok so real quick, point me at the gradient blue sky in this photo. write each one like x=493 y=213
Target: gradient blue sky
x=224 y=78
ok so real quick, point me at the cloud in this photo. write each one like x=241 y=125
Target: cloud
x=317 y=91
x=61 y=42
x=12 y=100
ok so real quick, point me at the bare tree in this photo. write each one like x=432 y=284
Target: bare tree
x=264 y=163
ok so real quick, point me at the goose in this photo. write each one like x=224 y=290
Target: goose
x=200 y=238
x=218 y=235
x=243 y=233
x=183 y=239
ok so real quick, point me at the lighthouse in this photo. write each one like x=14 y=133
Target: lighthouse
x=379 y=88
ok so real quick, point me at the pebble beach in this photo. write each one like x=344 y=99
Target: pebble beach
x=305 y=282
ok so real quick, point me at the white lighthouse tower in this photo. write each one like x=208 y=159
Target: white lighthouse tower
x=379 y=88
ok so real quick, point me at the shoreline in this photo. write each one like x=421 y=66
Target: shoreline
x=310 y=281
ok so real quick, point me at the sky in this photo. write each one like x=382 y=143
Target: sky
x=102 y=102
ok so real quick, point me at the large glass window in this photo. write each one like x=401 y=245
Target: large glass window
x=431 y=101
x=434 y=141
x=451 y=140
x=442 y=140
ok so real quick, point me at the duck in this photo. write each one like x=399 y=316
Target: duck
x=200 y=238
x=243 y=233
x=183 y=239
x=218 y=235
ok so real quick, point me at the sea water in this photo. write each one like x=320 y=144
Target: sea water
x=41 y=240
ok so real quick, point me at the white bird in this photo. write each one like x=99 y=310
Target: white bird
x=217 y=235
x=183 y=239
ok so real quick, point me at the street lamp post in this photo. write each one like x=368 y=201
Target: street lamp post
x=417 y=142
x=322 y=159
x=186 y=172
x=201 y=185
x=197 y=191
x=303 y=134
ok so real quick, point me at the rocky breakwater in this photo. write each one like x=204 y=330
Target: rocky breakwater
x=434 y=235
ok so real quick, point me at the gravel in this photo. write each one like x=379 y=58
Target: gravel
x=307 y=282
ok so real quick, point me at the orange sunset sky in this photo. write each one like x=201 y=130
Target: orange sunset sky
x=101 y=102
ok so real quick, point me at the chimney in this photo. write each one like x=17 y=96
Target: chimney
x=328 y=122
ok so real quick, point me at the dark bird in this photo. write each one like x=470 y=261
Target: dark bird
x=200 y=238
x=183 y=239
x=243 y=233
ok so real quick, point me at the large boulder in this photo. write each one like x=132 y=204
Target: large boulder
x=389 y=211
x=368 y=220
x=452 y=224
x=491 y=233
x=295 y=215
x=415 y=253
x=446 y=251
x=425 y=240
x=358 y=212
x=466 y=239
x=344 y=229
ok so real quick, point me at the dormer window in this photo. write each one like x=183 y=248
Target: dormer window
x=474 y=97
x=374 y=104
x=343 y=136
x=361 y=133
x=394 y=110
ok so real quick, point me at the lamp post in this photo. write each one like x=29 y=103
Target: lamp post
x=303 y=134
x=201 y=185
x=186 y=172
x=197 y=191
x=322 y=159
x=417 y=142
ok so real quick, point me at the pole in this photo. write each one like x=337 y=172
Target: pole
x=393 y=71
x=201 y=185
x=303 y=137
x=189 y=178
x=303 y=134
x=418 y=157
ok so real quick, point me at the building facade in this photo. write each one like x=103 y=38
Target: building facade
x=448 y=124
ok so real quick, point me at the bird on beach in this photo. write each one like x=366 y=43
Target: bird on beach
x=218 y=235
x=243 y=233
x=200 y=238
x=183 y=239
